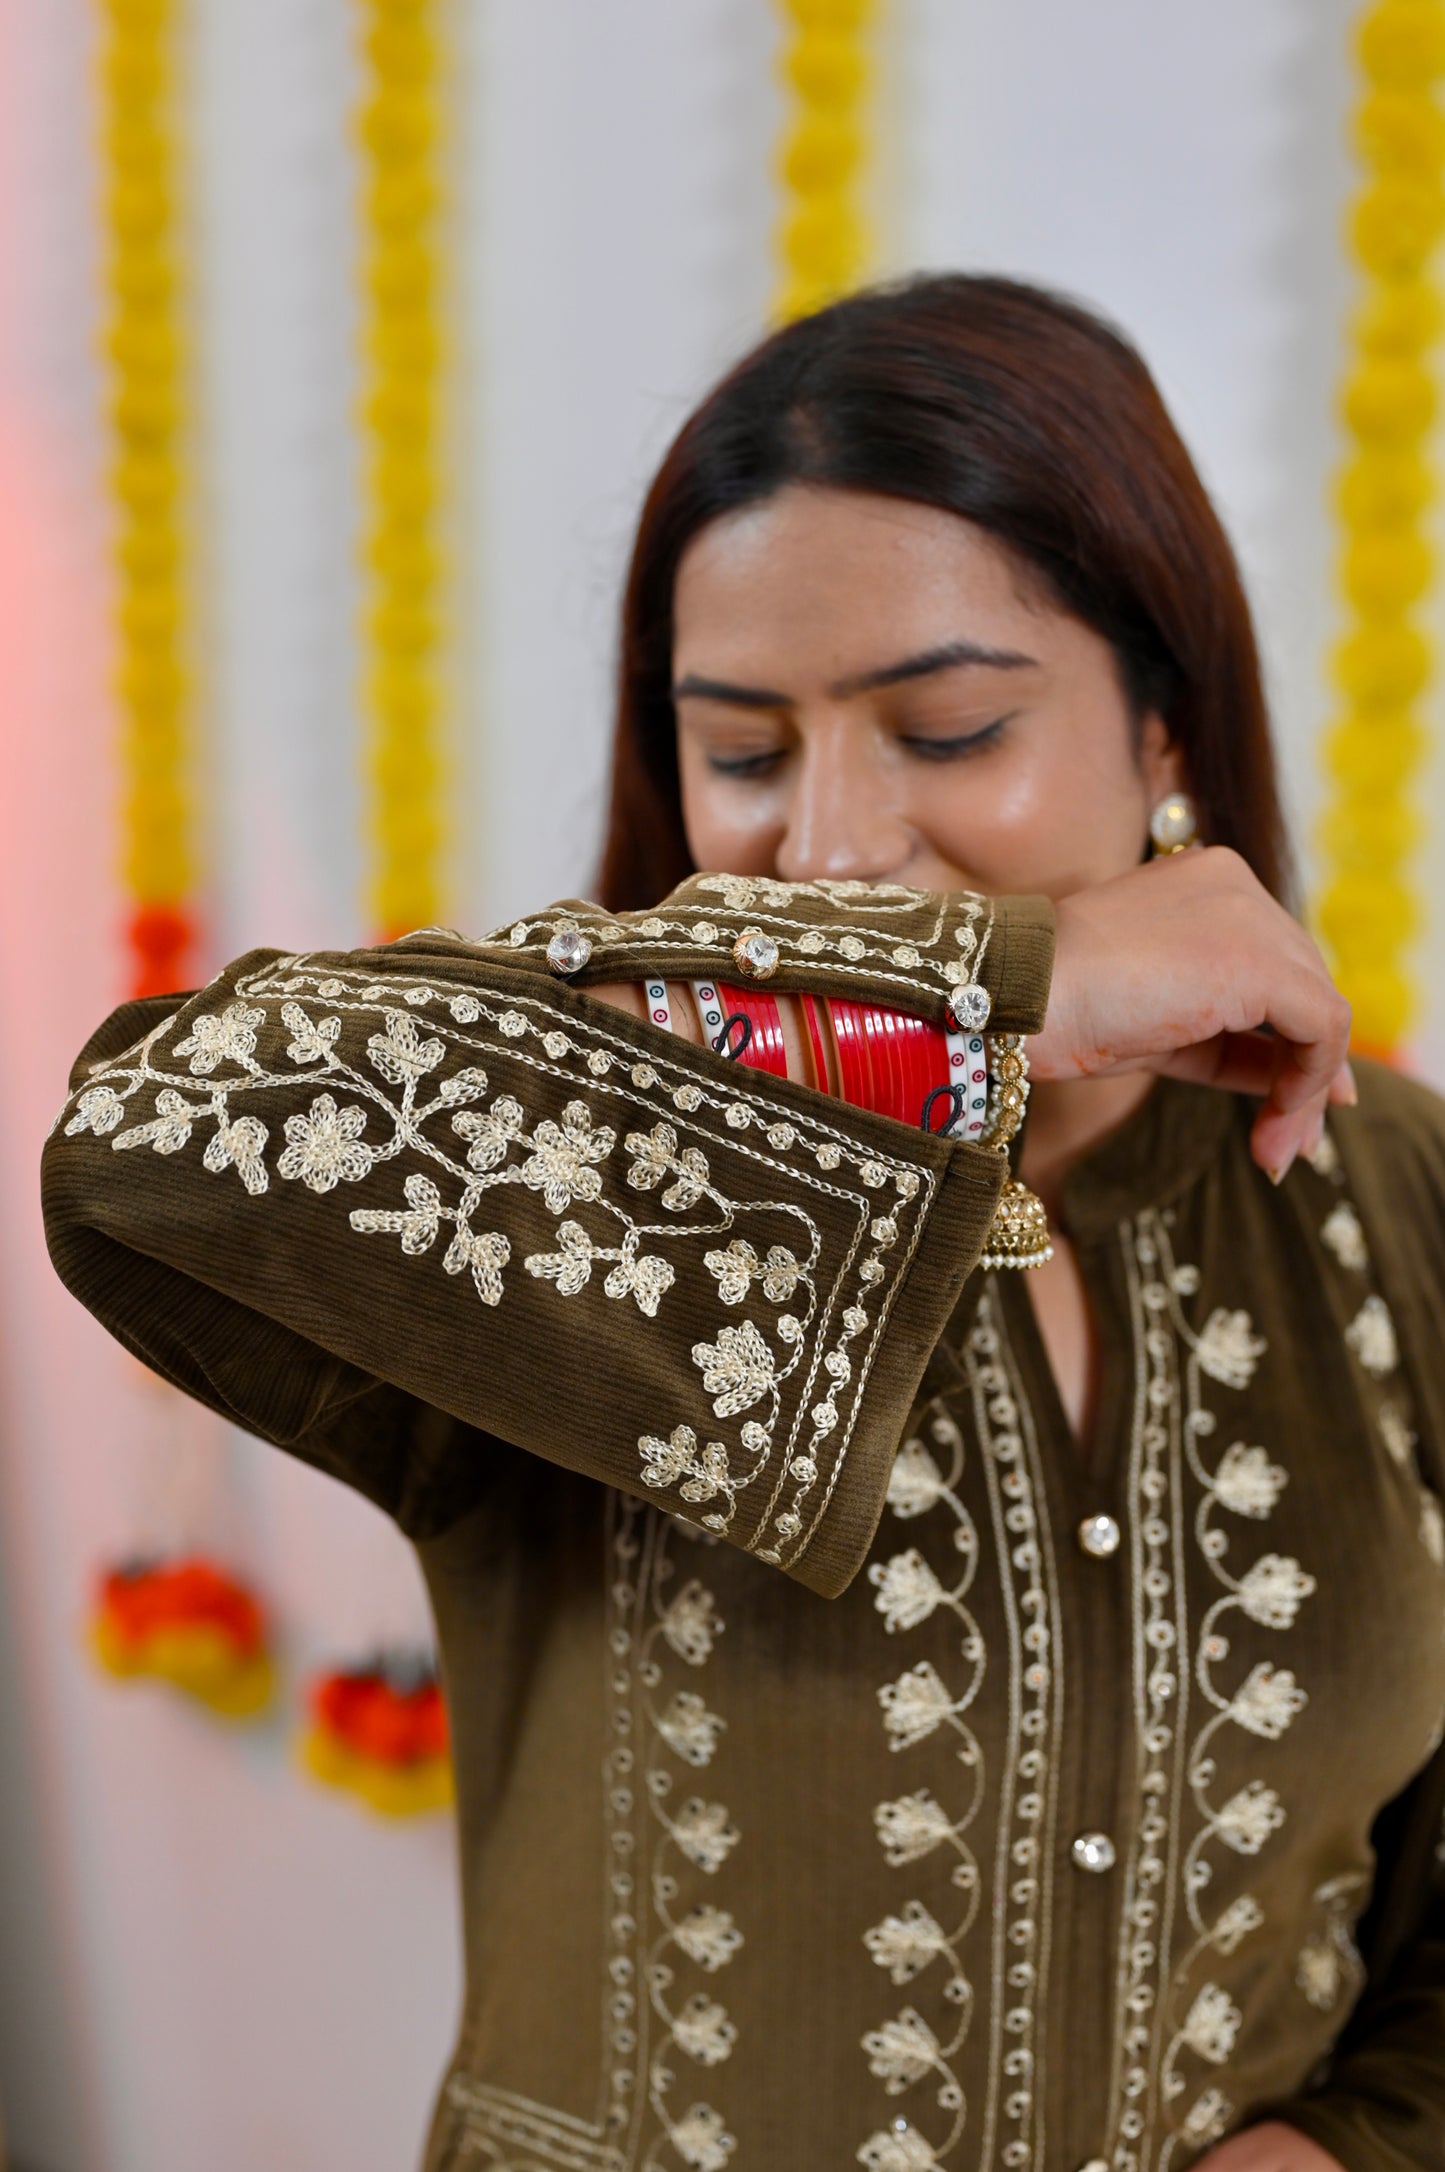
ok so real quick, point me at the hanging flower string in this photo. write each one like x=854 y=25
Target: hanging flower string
x=145 y=362
x=379 y=1732
x=189 y=1624
x=183 y=1621
x=400 y=132
x=1368 y=909
x=823 y=242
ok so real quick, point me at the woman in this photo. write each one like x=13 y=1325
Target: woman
x=905 y=1712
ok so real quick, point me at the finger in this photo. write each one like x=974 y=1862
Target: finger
x=1277 y=1137
x=1344 y=1093
x=1312 y=1022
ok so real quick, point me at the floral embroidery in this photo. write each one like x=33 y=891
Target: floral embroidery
x=736 y=1270
x=231 y=1038
x=1371 y=1335
x=945 y=937
x=239 y=1146
x=1151 y=2085
x=491 y=1133
x=325 y=1146
x=657 y=1849
x=563 y=1162
x=911 y=2048
x=1212 y=2024
x=383 y=1093
x=1343 y=1234
x=169 y=1129
x=99 y=1109
x=486 y=1252
x=738 y=1369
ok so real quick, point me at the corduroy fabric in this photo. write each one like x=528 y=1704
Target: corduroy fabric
x=757 y=1873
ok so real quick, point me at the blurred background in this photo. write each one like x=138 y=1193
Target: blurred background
x=208 y=1962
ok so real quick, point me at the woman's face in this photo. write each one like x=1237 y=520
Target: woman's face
x=869 y=690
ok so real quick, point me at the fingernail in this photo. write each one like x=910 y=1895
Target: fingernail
x=1278 y=1175
x=1352 y=1091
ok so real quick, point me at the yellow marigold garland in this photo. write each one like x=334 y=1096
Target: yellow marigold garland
x=823 y=241
x=145 y=355
x=1368 y=910
x=400 y=132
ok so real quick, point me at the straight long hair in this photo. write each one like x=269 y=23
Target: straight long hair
x=1023 y=413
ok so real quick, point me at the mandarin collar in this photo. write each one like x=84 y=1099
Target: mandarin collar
x=1152 y=1159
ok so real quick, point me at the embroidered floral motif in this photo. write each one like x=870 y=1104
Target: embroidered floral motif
x=229 y=1038
x=168 y=1130
x=1157 y=1985
x=239 y=1146
x=708 y=1935
x=491 y=1133
x=1343 y=1234
x=1212 y=2024
x=738 y=1268
x=902 y=2150
x=738 y=1369
x=1267 y=1700
x=99 y=1109
x=1371 y=1335
x=563 y=1162
x=1247 y=1483
x=1228 y=1349
x=486 y=1252
x=325 y=1147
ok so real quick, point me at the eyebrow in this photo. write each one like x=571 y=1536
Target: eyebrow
x=948 y=657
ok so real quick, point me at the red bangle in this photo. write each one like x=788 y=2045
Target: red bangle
x=928 y=1063
x=766 y=1050
x=855 y=1072
x=815 y=1040
x=883 y=1043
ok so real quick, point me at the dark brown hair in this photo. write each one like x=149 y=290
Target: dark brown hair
x=1023 y=413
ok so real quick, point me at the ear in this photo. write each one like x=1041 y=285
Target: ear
x=1161 y=763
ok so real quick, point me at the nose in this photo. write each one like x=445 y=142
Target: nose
x=842 y=823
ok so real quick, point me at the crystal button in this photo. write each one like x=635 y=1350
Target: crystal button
x=569 y=950
x=1093 y=1851
x=970 y=1006
x=755 y=954
x=1099 y=1537
x=1095 y=2164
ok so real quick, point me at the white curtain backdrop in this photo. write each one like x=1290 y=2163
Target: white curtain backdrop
x=205 y=1962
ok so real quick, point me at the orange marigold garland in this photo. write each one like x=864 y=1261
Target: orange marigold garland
x=379 y=1732
x=1368 y=910
x=187 y=1623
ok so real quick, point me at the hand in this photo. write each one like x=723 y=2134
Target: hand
x=1180 y=966
x=1274 y=2147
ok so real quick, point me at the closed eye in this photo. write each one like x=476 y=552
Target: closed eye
x=929 y=748
x=746 y=765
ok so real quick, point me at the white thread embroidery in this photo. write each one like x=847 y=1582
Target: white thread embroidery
x=912 y=2048
x=660 y=1915
x=794 y=1375
x=1167 y=2021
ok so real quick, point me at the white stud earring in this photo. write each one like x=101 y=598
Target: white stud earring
x=1172 y=824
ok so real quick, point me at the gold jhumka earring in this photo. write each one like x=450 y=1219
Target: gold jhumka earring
x=1019 y=1236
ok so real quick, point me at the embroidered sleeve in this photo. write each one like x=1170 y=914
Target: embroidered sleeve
x=328 y=1184
x=910 y=948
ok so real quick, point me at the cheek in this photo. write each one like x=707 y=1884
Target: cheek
x=728 y=826
x=1035 y=816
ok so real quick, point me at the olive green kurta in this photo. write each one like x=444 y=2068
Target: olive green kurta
x=823 y=1799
